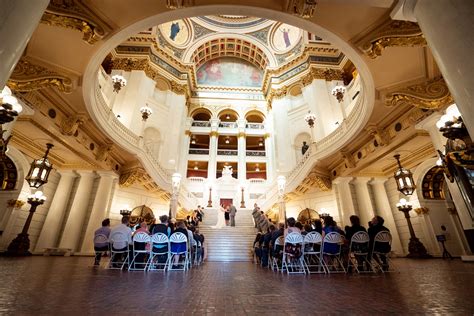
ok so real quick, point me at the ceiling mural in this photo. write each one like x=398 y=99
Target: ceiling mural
x=285 y=37
x=229 y=72
x=177 y=33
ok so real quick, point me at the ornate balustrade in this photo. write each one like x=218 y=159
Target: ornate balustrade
x=227 y=152
x=255 y=126
x=228 y=124
x=196 y=151
x=201 y=123
x=255 y=153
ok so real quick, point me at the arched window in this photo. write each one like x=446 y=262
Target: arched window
x=254 y=117
x=433 y=184
x=8 y=174
x=228 y=115
x=201 y=115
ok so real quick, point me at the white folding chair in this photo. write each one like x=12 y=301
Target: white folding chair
x=117 y=240
x=331 y=253
x=162 y=252
x=381 y=251
x=100 y=239
x=178 y=238
x=141 y=242
x=292 y=260
x=311 y=255
x=277 y=253
x=359 y=253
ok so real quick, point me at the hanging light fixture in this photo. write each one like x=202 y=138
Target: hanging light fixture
x=9 y=109
x=260 y=143
x=310 y=118
x=146 y=112
x=196 y=167
x=227 y=117
x=404 y=179
x=257 y=169
x=339 y=92
x=39 y=170
x=193 y=140
x=119 y=82
x=227 y=140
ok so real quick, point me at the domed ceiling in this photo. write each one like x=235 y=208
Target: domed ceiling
x=241 y=54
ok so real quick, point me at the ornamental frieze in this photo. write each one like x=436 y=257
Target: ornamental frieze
x=73 y=14
x=29 y=77
x=391 y=33
x=430 y=95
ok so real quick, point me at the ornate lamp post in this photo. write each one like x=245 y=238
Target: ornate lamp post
x=146 y=112
x=209 y=202
x=338 y=92
x=39 y=170
x=416 y=249
x=119 y=82
x=310 y=118
x=404 y=179
x=242 y=201
x=281 y=182
x=21 y=244
x=125 y=211
x=176 y=183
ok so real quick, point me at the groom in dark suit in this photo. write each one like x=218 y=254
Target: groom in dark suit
x=232 y=211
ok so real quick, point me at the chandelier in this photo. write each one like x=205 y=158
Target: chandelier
x=119 y=82
x=146 y=112
x=338 y=92
x=404 y=179
x=310 y=118
x=39 y=170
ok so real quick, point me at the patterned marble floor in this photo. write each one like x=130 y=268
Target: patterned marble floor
x=57 y=285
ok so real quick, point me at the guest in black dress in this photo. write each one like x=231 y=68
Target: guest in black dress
x=227 y=216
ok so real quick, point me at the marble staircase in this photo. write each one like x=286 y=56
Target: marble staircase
x=228 y=243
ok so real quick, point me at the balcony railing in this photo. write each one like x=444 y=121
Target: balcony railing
x=195 y=151
x=199 y=180
x=228 y=124
x=255 y=153
x=201 y=123
x=255 y=126
x=227 y=152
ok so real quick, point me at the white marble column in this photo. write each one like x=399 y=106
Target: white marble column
x=447 y=27
x=99 y=209
x=242 y=156
x=284 y=153
x=344 y=196
x=212 y=166
x=48 y=237
x=19 y=19
x=364 y=202
x=75 y=221
x=183 y=155
x=383 y=209
x=269 y=154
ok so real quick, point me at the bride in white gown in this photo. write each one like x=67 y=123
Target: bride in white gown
x=220 y=218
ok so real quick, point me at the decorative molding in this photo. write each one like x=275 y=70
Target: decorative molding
x=266 y=135
x=389 y=34
x=178 y=4
x=74 y=14
x=15 y=203
x=241 y=134
x=430 y=95
x=71 y=123
x=138 y=175
x=379 y=134
x=28 y=77
x=103 y=151
x=348 y=159
x=452 y=211
x=302 y=8
x=214 y=133
x=422 y=210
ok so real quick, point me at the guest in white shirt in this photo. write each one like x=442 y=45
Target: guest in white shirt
x=126 y=231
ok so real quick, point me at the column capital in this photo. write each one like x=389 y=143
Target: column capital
x=86 y=173
x=362 y=180
x=241 y=134
x=378 y=180
x=342 y=180
x=430 y=122
x=107 y=174
x=67 y=173
x=213 y=134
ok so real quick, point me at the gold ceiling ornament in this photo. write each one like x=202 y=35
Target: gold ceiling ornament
x=15 y=203
x=131 y=176
x=323 y=183
x=429 y=95
x=71 y=123
x=28 y=77
x=178 y=4
x=391 y=33
x=452 y=211
x=214 y=133
x=241 y=134
x=422 y=210
x=302 y=8
x=103 y=151
x=74 y=14
x=129 y=64
x=348 y=159
x=379 y=134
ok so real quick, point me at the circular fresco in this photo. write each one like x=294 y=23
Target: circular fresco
x=284 y=37
x=177 y=33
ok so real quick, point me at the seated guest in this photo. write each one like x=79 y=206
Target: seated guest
x=142 y=228
x=179 y=247
x=163 y=228
x=306 y=229
x=354 y=228
x=257 y=246
x=318 y=226
x=356 y=247
x=201 y=239
x=292 y=226
x=376 y=227
x=100 y=247
x=330 y=227
x=126 y=231
x=275 y=235
x=266 y=245
x=299 y=226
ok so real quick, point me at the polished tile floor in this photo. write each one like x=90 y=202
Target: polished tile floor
x=57 y=285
